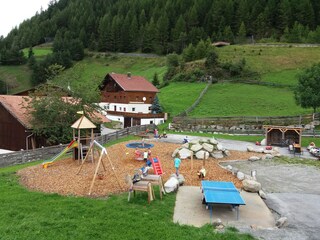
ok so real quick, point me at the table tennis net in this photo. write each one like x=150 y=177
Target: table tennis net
x=220 y=189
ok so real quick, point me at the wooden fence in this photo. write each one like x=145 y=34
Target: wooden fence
x=25 y=156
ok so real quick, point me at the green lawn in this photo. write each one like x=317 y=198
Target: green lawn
x=285 y=77
x=34 y=215
x=91 y=71
x=226 y=99
x=265 y=59
x=177 y=97
x=17 y=77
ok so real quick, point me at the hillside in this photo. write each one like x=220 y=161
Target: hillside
x=279 y=65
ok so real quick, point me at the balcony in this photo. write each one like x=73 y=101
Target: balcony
x=136 y=115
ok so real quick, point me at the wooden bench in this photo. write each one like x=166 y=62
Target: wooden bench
x=155 y=180
x=142 y=186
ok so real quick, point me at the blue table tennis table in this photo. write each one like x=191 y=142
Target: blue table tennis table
x=221 y=193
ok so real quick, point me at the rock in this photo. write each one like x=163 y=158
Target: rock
x=208 y=147
x=276 y=149
x=204 y=140
x=220 y=147
x=281 y=222
x=185 y=153
x=194 y=141
x=262 y=194
x=250 y=149
x=251 y=185
x=246 y=176
x=202 y=154
x=196 y=147
x=227 y=153
x=240 y=175
x=268 y=151
x=171 y=185
x=217 y=154
x=235 y=171
x=181 y=179
x=259 y=150
x=220 y=227
x=263 y=142
x=229 y=167
x=253 y=158
x=268 y=156
x=217 y=222
x=185 y=145
x=213 y=141
x=175 y=152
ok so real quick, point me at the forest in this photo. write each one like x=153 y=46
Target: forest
x=166 y=26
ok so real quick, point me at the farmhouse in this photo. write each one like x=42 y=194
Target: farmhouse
x=128 y=99
x=15 y=128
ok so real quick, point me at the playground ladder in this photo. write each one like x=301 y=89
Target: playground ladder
x=156 y=165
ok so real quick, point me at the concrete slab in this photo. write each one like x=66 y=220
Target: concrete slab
x=189 y=210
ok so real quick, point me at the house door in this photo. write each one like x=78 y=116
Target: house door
x=127 y=122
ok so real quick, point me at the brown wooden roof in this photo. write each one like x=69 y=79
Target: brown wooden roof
x=133 y=83
x=15 y=105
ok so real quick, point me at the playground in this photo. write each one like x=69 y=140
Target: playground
x=62 y=178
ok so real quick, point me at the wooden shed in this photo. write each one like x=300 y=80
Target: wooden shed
x=282 y=135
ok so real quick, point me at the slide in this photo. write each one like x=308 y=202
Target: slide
x=156 y=165
x=71 y=145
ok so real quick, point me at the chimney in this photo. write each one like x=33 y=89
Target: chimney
x=129 y=75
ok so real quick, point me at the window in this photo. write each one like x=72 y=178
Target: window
x=149 y=108
x=133 y=109
x=115 y=97
x=124 y=109
x=137 y=98
x=151 y=122
x=161 y=121
x=120 y=108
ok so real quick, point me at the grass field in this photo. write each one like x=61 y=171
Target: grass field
x=266 y=59
x=177 y=97
x=285 y=77
x=34 y=215
x=17 y=77
x=91 y=71
x=226 y=99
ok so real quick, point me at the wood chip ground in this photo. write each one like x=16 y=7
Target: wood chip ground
x=61 y=177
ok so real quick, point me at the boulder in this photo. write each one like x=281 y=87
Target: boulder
x=263 y=142
x=185 y=153
x=253 y=158
x=227 y=153
x=185 y=145
x=250 y=149
x=194 y=141
x=175 y=152
x=204 y=140
x=240 y=175
x=235 y=171
x=229 y=167
x=220 y=147
x=213 y=141
x=217 y=154
x=171 y=185
x=196 y=147
x=281 y=222
x=208 y=147
x=202 y=154
x=251 y=185
x=262 y=194
x=268 y=156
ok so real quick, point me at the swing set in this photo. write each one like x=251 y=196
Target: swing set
x=102 y=154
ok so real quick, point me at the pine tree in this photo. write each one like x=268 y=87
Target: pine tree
x=156 y=107
x=155 y=80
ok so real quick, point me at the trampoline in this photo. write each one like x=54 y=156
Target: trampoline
x=139 y=145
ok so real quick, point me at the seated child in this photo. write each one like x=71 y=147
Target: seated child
x=202 y=173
